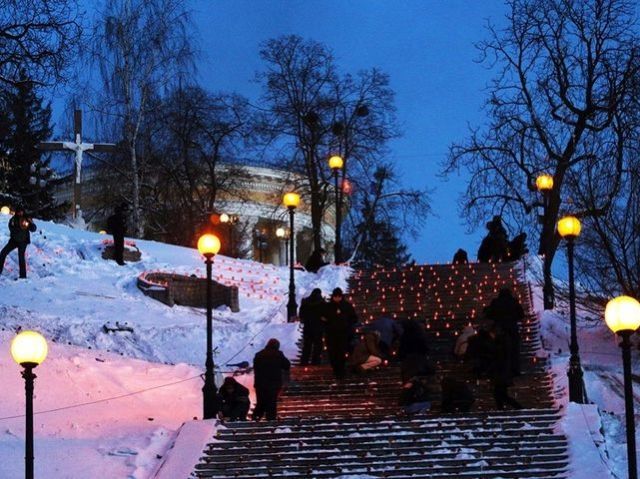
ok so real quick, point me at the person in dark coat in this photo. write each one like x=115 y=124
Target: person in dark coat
x=390 y=332
x=507 y=312
x=456 y=395
x=461 y=257
x=495 y=245
x=234 y=400
x=117 y=226
x=517 y=247
x=269 y=368
x=479 y=351
x=20 y=229
x=311 y=310
x=340 y=329
x=501 y=368
x=413 y=350
x=316 y=261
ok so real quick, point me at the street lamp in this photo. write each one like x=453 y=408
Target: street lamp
x=5 y=210
x=208 y=246
x=29 y=349
x=544 y=184
x=336 y=163
x=291 y=201
x=622 y=315
x=569 y=228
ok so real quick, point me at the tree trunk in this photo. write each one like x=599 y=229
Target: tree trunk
x=137 y=216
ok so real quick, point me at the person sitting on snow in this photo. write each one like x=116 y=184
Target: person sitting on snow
x=20 y=229
x=234 y=400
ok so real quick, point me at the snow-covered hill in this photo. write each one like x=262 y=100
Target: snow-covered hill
x=70 y=294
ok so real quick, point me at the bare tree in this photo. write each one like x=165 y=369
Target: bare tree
x=558 y=104
x=39 y=37
x=312 y=111
x=141 y=47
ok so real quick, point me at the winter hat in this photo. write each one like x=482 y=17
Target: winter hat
x=337 y=292
x=273 y=343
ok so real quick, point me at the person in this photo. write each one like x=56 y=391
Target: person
x=390 y=331
x=234 y=400
x=501 y=368
x=517 y=247
x=461 y=257
x=456 y=395
x=507 y=312
x=366 y=355
x=269 y=368
x=479 y=350
x=311 y=311
x=20 y=229
x=316 y=261
x=413 y=350
x=341 y=320
x=117 y=226
x=495 y=245
x=415 y=397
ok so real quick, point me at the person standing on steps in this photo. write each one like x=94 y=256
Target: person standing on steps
x=507 y=312
x=117 y=226
x=269 y=368
x=502 y=370
x=20 y=229
x=340 y=329
x=311 y=311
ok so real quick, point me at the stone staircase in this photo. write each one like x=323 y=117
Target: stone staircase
x=353 y=429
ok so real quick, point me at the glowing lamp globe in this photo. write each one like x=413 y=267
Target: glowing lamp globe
x=224 y=218
x=209 y=244
x=102 y=232
x=544 y=182
x=29 y=347
x=336 y=162
x=291 y=200
x=622 y=314
x=280 y=232
x=5 y=210
x=569 y=227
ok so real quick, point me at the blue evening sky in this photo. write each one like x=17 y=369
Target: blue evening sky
x=427 y=47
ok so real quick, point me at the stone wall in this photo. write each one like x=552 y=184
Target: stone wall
x=183 y=290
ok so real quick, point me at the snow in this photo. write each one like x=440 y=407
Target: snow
x=123 y=396
x=182 y=455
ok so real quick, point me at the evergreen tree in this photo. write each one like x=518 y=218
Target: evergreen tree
x=25 y=176
x=381 y=245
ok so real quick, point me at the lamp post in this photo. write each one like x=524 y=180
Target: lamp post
x=336 y=163
x=208 y=246
x=622 y=315
x=544 y=184
x=569 y=228
x=5 y=210
x=29 y=349
x=291 y=201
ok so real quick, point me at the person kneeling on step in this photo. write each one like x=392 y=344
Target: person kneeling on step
x=234 y=398
x=366 y=355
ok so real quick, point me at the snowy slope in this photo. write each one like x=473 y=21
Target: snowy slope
x=70 y=294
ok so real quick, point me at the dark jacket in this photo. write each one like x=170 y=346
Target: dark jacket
x=506 y=311
x=389 y=329
x=311 y=311
x=315 y=262
x=501 y=365
x=117 y=224
x=269 y=366
x=20 y=232
x=341 y=318
x=414 y=339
